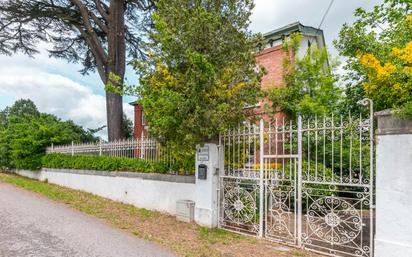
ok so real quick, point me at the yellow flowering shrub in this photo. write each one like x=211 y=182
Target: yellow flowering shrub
x=382 y=71
x=405 y=54
x=378 y=51
x=389 y=83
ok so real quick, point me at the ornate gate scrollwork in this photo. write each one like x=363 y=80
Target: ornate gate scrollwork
x=334 y=220
x=307 y=183
x=239 y=206
x=281 y=215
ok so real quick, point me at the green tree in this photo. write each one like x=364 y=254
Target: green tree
x=4 y=140
x=23 y=107
x=201 y=71
x=127 y=127
x=4 y=118
x=20 y=108
x=29 y=137
x=27 y=133
x=309 y=86
x=378 y=47
x=99 y=34
x=85 y=135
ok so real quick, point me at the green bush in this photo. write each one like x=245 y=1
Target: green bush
x=25 y=134
x=107 y=163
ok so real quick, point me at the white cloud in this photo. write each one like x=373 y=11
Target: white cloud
x=56 y=94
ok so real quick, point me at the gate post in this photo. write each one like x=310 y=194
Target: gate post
x=393 y=186
x=299 y=183
x=261 y=176
x=142 y=147
x=100 y=147
x=207 y=181
x=72 y=150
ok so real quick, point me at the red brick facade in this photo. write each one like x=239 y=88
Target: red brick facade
x=272 y=60
x=139 y=127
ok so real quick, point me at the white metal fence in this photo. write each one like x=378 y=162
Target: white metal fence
x=144 y=148
x=307 y=183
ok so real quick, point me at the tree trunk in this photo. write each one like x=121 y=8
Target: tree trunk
x=114 y=111
x=116 y=65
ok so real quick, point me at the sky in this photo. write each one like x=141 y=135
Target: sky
x=57 y=87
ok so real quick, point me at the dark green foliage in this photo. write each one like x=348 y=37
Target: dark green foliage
x=3 y=117
x=108 y=163
x=22 y=108
x=127 y=127
x=353 y=94
x=27 y=133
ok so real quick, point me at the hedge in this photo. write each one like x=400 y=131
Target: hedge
x=108 y=163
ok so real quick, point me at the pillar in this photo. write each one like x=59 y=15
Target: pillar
x=207 y=181
x=393 y=186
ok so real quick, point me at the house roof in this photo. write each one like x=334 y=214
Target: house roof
x=281 y=33
x=291 y=28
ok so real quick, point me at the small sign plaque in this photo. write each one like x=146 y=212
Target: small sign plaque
x=203 y=153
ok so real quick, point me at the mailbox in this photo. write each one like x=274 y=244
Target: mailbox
x=202 y=171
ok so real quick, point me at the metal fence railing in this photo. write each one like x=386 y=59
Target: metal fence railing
x=144 y=148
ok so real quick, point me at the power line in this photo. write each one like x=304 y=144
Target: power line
x=320 y=25
x=326 y=13
x=323 y=19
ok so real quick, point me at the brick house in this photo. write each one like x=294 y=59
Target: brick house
x=270 y=56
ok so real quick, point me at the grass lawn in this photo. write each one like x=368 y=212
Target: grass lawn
x=181 y=238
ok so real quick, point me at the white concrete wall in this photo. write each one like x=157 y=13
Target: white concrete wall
x=393 y=196
x=37 y=175
x=143 y=193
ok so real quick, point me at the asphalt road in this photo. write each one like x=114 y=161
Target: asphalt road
x=32 y=226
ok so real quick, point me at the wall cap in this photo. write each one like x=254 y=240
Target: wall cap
x=126 y=174
x=386 y=112
x=390 y=124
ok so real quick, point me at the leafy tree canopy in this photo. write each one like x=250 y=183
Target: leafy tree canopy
x=309 y=86
x=378 y=47
x=26 y=133
x=20 y=108
x=201 y=70
x=23 y=108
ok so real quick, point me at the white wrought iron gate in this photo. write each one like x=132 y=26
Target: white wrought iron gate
x=306 y=183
